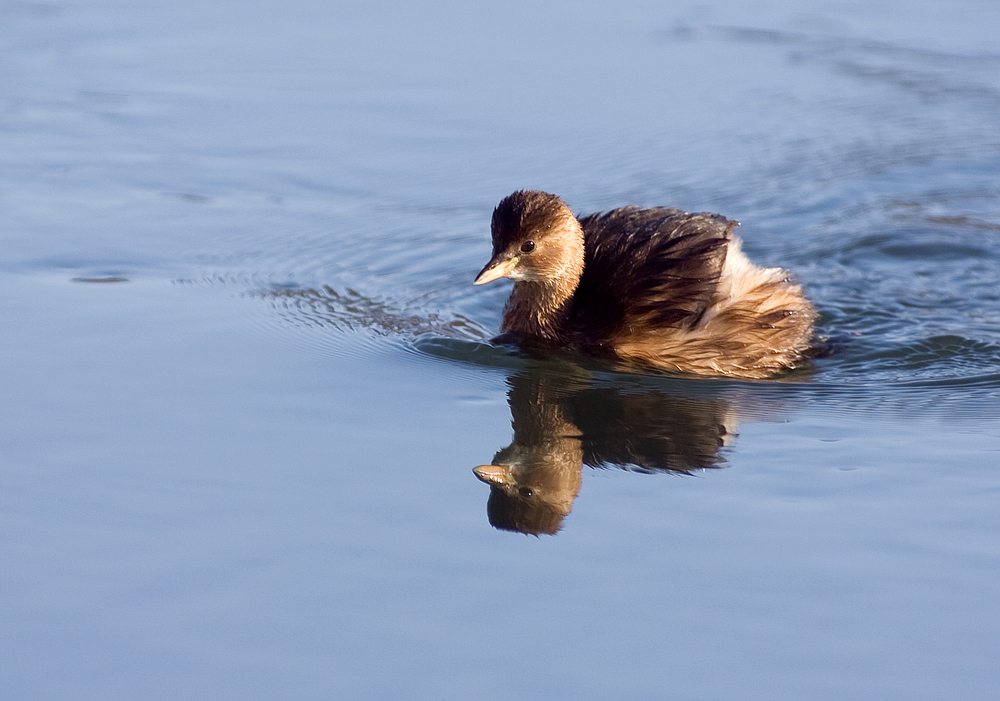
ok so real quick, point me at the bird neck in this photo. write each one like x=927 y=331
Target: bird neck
x=538 y=308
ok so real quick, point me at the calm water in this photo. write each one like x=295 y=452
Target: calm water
x=246 y=377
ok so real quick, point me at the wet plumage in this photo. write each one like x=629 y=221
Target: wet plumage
x=655 y=286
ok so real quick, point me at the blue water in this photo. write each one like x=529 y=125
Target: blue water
x=246 y=377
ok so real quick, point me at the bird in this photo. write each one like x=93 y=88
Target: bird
x=654 y=287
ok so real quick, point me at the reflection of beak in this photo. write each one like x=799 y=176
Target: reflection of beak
x=496 y=268
x=492 y=474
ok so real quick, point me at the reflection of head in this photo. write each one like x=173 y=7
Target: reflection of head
x=532 y=488
x=508 y=512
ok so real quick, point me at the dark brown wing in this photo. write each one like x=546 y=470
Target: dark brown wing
x=648 y=268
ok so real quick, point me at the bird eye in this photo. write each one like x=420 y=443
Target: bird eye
x=527 y=247
x=526 y=492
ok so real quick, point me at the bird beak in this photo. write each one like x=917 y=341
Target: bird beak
x=492 y=474
x=496 y=268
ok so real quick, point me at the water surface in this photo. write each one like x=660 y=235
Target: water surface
x=247 y=377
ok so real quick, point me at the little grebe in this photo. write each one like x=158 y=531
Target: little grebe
x=655 y=286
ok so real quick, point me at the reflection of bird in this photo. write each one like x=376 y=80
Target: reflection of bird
x=560 y=425
x=657 y=286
